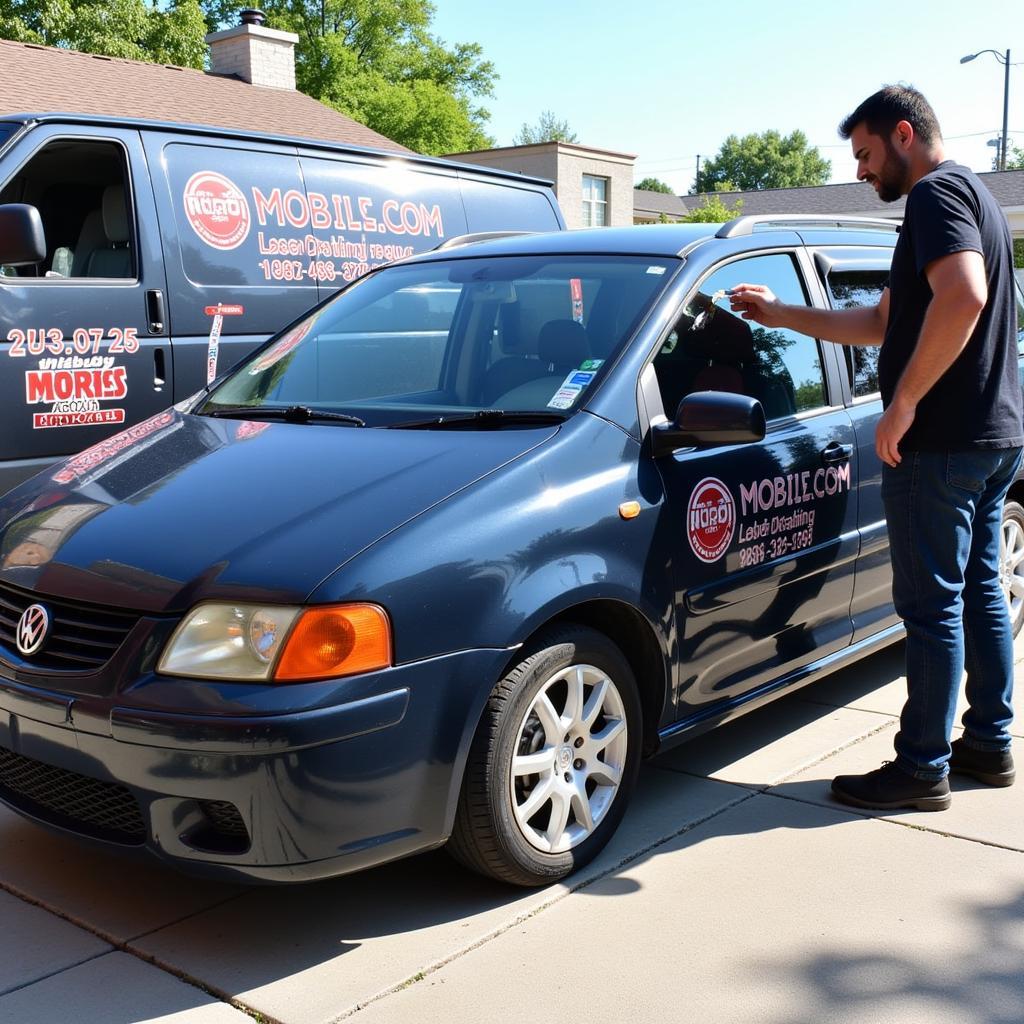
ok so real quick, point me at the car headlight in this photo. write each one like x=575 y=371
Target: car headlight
x=276 y=643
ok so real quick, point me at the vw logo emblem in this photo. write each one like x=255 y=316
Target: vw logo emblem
x=33 y=629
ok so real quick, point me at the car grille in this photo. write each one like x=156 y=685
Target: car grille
x=82 y=639
x=102 y=810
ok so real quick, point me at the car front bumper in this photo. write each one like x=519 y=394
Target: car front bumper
x=281 y=797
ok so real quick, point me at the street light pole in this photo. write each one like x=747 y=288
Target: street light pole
x=1006 y=107
x=1005 y=60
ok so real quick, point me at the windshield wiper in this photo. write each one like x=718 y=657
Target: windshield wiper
x=482 y=418
x=290 y=414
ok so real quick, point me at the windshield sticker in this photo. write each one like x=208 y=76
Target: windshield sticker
x=580 y=377
x=218 y=312
x=576 y=294
x=592 y=364
x=655 y=270
x=710 y=519
x=565 y=396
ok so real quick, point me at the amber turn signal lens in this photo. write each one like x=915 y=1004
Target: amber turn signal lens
x=336 y=640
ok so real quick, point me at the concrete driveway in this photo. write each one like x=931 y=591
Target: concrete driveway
x=735 y=890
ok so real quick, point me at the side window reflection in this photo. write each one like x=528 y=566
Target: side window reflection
x=712 y=349
x=850 y=289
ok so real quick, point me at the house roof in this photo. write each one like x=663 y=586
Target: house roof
x=40 y=79
x=852 y=198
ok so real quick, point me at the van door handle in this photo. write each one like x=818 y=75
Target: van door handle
x=835 y=452
x=159 y=369
x=155 y=310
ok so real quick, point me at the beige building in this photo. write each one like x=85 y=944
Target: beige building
x=594 y=186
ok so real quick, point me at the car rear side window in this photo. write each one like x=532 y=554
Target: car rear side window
x=850 y=289
x=713 y=349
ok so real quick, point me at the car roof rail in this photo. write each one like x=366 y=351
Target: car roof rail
x=746 y=225
x=478 y=236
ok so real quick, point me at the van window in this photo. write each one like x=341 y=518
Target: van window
x=712 y=349
x=80 y=190
x=850 y=289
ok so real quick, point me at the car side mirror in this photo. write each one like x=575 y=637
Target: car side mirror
x=710 y=419
x=22 y=239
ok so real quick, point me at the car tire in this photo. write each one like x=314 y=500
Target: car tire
x=569 y=709
x=1011 y=561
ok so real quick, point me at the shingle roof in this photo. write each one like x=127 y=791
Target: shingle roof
x=853 y=198
x=41 y=79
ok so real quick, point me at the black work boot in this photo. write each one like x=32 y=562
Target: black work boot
x=993 y=767
x=888 y=788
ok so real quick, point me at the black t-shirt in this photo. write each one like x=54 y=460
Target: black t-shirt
x=977 y=401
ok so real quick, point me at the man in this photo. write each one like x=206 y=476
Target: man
x=950 y=439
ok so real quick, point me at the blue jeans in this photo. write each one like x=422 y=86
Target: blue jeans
x=944 y=514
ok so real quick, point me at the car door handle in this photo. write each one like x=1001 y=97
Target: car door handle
x=155 y=310
x=835 y=452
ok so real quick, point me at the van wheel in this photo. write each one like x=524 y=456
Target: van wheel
x=553 y=762
x=1011 y=562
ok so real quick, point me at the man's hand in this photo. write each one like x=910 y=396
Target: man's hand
x=758 y=303
x=892 y=425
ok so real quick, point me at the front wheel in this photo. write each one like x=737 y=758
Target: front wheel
x=553 y=762
x=1011 y=562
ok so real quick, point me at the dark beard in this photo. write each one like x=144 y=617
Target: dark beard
x=893 y=179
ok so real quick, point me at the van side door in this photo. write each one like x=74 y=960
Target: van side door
x=83 y=348
x=236 y=225
x=857 y=277
x=763 y=534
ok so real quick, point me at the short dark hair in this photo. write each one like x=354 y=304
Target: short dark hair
x=883 y=110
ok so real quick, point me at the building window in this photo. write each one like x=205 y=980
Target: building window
x=595 y=201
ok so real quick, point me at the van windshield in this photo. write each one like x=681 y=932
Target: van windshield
x=446 y=339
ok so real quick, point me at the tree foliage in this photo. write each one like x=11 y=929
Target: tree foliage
x=117 y=28
x=374 y=60
x=768 y=160
x=548 y=128
x=1014 y=158
x=654 y=185
x=377 y=62
x=713 y=211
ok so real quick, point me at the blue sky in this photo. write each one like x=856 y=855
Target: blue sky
x=667 y=79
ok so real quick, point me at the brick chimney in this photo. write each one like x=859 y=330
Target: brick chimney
x=258 y=55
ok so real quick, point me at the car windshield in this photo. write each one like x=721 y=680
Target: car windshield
x=7 y=129
x=437 y=342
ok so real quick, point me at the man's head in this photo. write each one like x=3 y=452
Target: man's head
x=895 y=137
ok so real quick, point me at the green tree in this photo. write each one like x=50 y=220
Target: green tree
x=654 y=185
x=548 y=128
x=713 y=211
x=1014 y=158
x=768 y=160
x=377 y=62
x=117 y=28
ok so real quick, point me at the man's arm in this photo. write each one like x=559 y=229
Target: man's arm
x=959 y=293
x=862 y=326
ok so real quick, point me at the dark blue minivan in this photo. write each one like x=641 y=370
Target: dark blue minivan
x=443 y=560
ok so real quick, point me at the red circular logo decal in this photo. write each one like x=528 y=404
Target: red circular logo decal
x=217 y=210
x=710 y=519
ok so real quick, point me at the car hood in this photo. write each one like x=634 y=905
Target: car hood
x=185 y=508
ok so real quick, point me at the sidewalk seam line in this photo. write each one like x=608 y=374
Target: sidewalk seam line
x=53 y=974
x=125 y=946
x=526 y=915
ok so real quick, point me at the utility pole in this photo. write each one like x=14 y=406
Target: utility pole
x=696 y=181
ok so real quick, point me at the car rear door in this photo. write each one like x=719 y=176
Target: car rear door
x=764 y=534
x=852 y=277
